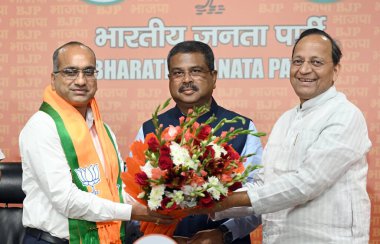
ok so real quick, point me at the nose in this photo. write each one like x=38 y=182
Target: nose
x=81 y=79
x=305 y=68
x=187 y=77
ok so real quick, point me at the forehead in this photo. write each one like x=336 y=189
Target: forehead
x=313 y=46
x=76 y=55
x=184 y=60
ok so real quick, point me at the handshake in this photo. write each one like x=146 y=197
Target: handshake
x=236 y=199
x=142 y=213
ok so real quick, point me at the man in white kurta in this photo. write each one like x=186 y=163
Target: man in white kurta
x=315 y=167
x=315 y=175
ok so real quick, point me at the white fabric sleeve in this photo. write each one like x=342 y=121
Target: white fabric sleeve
x=43 y=154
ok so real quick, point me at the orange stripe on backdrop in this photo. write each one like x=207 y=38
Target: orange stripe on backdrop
x=252 y=65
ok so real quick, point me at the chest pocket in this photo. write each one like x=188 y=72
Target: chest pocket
x=289 y=153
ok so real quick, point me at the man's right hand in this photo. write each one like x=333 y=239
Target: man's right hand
x=142 y=213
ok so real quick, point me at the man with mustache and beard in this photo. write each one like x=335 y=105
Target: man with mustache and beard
x=192 y=80
x=315 y=162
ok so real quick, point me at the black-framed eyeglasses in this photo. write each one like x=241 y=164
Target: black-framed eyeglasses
x=316 y=63
x=72 y=73
x=194 y=73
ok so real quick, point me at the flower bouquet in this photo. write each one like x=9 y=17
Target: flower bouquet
x=183 y=167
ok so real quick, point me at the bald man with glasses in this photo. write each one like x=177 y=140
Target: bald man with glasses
x=71 y=162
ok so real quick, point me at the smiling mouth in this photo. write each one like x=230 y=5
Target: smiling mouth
x=306 y=80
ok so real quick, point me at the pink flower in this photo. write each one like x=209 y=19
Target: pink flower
x=190 y=111
x=197 y=180
x=195 y=125
x=226 y=178
x=188 y=135
x=157 y=173
x=181 y=120
x=171 y=132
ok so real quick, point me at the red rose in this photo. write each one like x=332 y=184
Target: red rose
x=165 y=201
x=206 y=201
x=165 y=151
x=153 y=144
x=204 y=132
x=165 y=162
x=235 y=186
x=141 y=179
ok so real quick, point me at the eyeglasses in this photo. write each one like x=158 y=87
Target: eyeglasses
x=194 y=73
x=72 y=73
x=316 y=63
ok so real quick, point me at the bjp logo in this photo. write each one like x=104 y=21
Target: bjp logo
x=89 y=176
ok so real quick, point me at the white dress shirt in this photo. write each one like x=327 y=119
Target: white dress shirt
x=315 y=171
x=2 y=156
x=51 y=195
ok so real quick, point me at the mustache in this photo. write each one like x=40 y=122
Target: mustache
x=187 y=86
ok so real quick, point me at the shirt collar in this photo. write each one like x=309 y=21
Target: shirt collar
x=89 y=117
x=318 y=100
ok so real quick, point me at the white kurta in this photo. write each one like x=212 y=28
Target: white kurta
x=315 y=172
x=51 y=196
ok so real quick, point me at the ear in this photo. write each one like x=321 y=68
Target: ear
x=336 y=72
x=52 y=81
x=214 y=77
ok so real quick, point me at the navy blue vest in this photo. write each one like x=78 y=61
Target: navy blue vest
x=190 y=225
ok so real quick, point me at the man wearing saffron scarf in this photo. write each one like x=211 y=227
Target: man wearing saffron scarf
x=71 y=163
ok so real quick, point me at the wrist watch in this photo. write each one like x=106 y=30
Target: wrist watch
x=227 y=234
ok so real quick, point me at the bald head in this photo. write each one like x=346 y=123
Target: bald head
x=64 y=47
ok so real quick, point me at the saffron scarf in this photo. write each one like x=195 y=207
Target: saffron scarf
x=86 y=168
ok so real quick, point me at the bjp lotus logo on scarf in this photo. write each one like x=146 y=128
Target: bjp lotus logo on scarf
x=89 y=176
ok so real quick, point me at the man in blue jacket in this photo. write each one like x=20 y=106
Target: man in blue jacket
x=192 y=80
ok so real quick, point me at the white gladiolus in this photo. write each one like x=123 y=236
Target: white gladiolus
x=218 y=150
x=147 y=169
x=155 y=197
x=180 y=155
x=215 y=188
x=154 y=204
x=177 y=196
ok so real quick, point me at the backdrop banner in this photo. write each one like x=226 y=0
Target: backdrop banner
x=252 y=42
